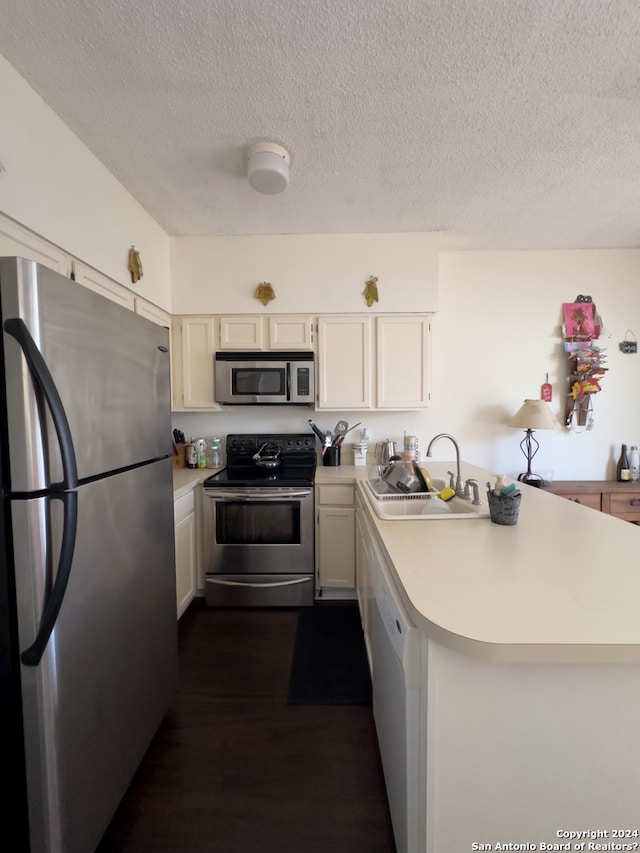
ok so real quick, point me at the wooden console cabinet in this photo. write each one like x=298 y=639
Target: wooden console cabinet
x=619 y=499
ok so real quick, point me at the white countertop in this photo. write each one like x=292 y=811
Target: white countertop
x=186 y=479
x=563 y=585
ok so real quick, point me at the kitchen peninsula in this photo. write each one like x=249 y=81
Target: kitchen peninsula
x=522 y=692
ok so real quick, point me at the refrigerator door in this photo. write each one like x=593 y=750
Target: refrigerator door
x=71 y=351
x=108 y=673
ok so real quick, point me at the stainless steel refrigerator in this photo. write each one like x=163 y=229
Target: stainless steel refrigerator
x=88 y=637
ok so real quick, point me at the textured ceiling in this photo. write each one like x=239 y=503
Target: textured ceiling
x=502 y=123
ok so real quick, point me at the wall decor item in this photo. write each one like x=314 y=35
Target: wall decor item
x=264 y=292
x=546 y=392
x=135 y=265
x=628 y=346
x=582 y=326
x=370 y=291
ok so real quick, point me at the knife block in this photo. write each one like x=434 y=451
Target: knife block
x=179 y=455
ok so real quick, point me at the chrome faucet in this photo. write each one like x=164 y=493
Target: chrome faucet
x=459 y=487
x=472 y=489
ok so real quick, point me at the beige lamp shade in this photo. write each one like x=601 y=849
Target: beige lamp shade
x=534 y=414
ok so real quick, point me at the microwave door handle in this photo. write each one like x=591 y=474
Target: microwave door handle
x=44 y=384
x=288 y=382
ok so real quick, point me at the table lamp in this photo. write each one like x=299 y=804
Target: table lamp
x=532 y=415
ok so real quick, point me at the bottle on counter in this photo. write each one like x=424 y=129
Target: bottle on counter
x=191 y=454
x=214 y=453
x=634 y=463
x=623 y=469
x=500 y=484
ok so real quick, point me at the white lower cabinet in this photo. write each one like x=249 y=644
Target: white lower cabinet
x=335 y=536
x=185 y=538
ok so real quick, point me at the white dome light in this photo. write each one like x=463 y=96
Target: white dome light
x=268 y=167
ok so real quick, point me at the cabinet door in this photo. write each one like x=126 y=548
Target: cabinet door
x=17 y=240
x=344 y=363
x=152 y=312
x=242 y=333
x=363 y=559
x=185 y=543
x=105 y=286
x=193 y=348
x=294 y=332
x=336 y=547
x=402 y=350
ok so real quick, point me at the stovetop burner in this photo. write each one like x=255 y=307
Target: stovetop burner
x=296 y=454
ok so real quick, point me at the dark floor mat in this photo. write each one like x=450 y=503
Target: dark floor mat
x=330 y=665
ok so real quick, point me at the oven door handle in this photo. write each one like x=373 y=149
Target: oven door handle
x=216 y=495
x=291 y=582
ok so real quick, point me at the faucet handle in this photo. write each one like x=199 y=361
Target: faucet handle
x=452 y=480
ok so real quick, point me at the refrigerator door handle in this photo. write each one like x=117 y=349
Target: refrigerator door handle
x=33 y=655
x=43 y=381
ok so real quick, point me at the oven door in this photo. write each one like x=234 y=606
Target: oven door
x=259 y=546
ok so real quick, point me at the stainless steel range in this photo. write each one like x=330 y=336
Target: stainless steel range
x=259 y=523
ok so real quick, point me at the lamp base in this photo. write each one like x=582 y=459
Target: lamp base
x=531 y=479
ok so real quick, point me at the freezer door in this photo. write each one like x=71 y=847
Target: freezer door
x=108 y=672
x=100 y=368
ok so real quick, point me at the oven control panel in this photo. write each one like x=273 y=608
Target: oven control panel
x=247 y=444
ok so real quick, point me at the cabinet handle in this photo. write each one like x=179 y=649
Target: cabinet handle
x=634 y=502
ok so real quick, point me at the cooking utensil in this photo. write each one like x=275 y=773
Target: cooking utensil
x=406 y=477
x=317 y=431
x=341 y=436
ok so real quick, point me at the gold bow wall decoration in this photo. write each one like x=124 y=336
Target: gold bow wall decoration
x=135 y=265
x=264 y=292
x=370 y=291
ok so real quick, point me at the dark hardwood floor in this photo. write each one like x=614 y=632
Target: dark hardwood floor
x=235 y=769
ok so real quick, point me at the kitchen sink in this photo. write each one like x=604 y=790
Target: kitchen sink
x=420 y=506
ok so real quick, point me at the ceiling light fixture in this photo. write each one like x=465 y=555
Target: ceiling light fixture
x=268 y=167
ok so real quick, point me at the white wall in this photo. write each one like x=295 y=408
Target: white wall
x=495 y=337
x=310 y=273
x=55 y=186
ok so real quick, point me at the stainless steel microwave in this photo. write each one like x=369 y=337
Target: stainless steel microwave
x=265 y=379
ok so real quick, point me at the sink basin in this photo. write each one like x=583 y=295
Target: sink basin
x=422 y=506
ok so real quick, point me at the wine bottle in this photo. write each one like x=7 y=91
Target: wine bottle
x=623 y=471
x=634 y=463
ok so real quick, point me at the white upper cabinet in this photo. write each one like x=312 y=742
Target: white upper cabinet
x=344 y=362
x=16 y=240
x=402 y=362
x=192 y=353
x=152 y=312
x=105 y=286
x=373 y=363
x=245 y=332
x=290 y=332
